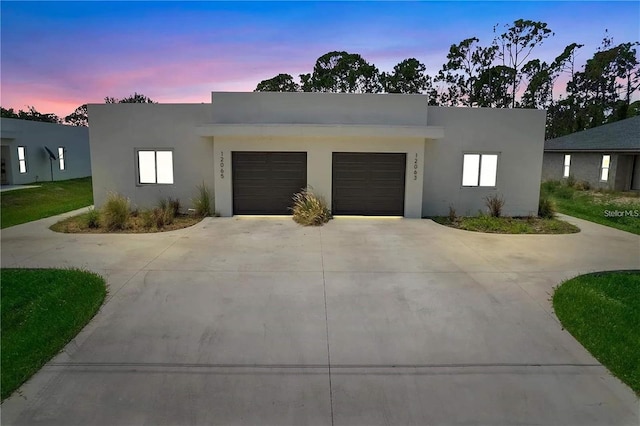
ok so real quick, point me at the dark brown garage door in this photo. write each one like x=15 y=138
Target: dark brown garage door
x=264 y=182
x=368 y=183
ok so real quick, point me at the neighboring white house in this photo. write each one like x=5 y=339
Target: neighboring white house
x=366 y=154
x=25 y=159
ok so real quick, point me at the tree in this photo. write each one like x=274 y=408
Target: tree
x=79 y=117
x=279 y=83
x=515 y=46
x=491 y=89
x=409 y=76
x=342 y=72
x=31 y=114
x=542 y=77
x=466 y=61
x=136 y=98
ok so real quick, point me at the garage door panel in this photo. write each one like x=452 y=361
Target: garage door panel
x=368 y=183
x=264 y=182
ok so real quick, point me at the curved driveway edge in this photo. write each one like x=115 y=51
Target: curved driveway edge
x=363 y=321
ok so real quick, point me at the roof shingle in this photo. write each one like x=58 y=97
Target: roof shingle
x=621 y=135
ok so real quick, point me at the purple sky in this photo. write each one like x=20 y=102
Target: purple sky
x=58 y=55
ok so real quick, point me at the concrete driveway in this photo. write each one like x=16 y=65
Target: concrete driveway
x=360 y=322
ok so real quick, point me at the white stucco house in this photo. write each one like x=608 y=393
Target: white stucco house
x=25 y=159
x=366 y=154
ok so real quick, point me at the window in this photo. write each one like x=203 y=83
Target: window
x=155 y=167
x=479 y=169
x=61 y=157
x=567 y=164
x=604 y=170
x=22 y=159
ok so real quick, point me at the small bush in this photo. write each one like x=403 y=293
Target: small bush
x=452 y=214
x=165 y=212
x=564 y=192
x=93 y=218
x=583 y=185
x=202 y=202
x=494 y=203
x=546 y=208
x=174 y=204
x=550 y=186
x=310 y=209
x=146 y=218
x=571 y=181
x=115 y=212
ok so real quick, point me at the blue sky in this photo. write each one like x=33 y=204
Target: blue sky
x=58 y=55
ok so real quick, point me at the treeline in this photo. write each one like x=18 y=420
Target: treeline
x=76 y=118
x=503 y=74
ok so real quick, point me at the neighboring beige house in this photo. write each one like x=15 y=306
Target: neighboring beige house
x=607 y=157
x=366 y=154
x=24 y=157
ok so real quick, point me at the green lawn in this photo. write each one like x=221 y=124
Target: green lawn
x=602 y=311
x=52 y=198
x=597 y=206
x=42 y=310
x=509 y=225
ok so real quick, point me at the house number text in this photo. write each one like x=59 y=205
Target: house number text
x=415 y=167
x=221 y=164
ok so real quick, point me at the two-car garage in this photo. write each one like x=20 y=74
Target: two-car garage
x=363 y=183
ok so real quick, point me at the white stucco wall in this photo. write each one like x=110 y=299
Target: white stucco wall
x=434 y=139
x=319 y=108
x=117 y=130
x=34 y=136
x=516 y=135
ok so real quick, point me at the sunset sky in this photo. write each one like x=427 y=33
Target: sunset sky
x=58 y=55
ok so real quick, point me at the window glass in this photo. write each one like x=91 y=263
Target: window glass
x=488 y=170
x=164 y=166
x=604 y=175
x=567 y=165
x=61 y=157
x=22 y=159
x=470 y=169
x=147 y=166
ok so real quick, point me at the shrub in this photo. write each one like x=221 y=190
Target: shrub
x=165 y=212
x=564 y=192
x=583 y=185
x=452 y=214
x=546 y=208
x=115 y=212
x=202 y=202
x=93 y=218
x=571 y=181
x=146 y=218
x=310 y=209
x=174 y=204
x=494 y=203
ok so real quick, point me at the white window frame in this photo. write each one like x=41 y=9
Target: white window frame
x=155 y=152
x=478 y=183
x=567 y=166
x=22 y=160
x=62 y=162
x=604 y=170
